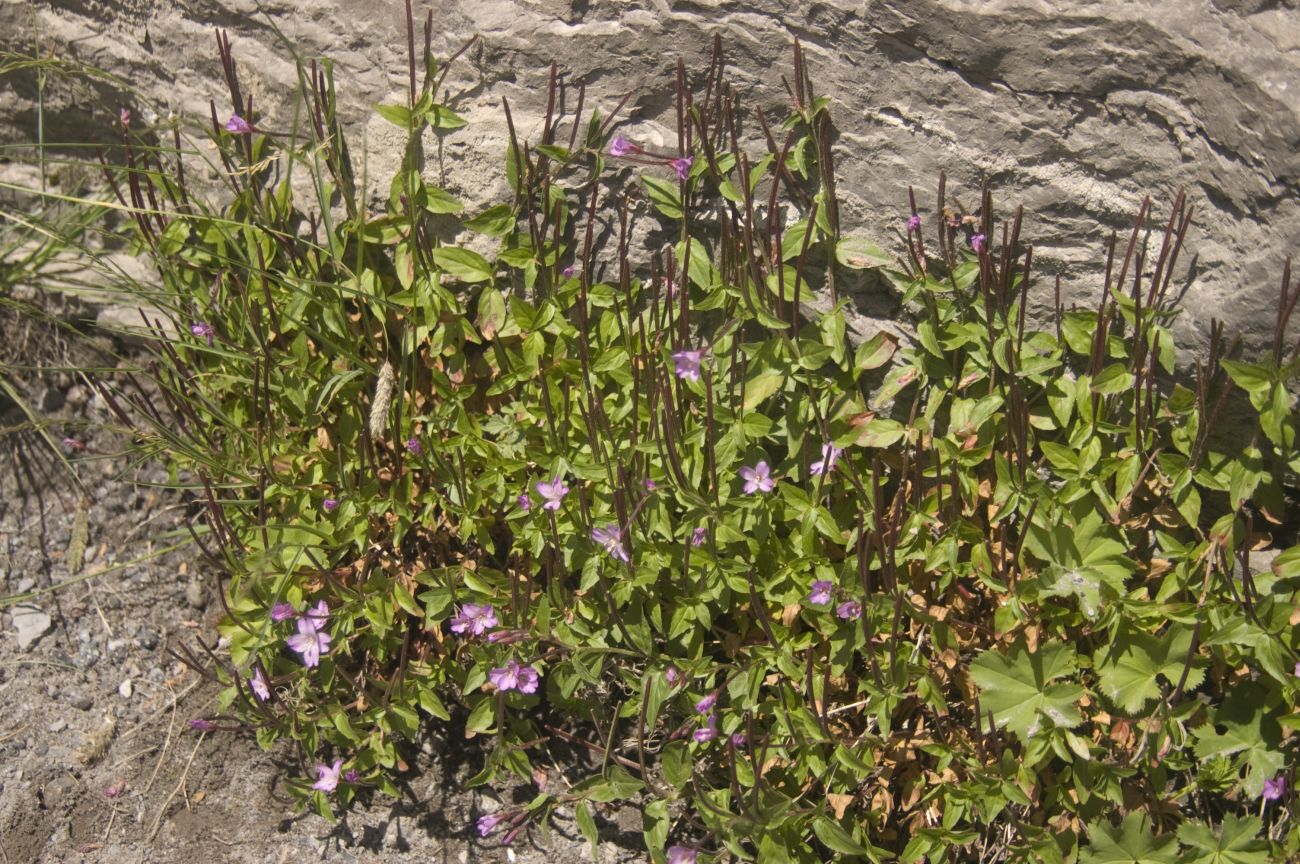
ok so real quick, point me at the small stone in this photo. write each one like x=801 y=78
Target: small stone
x=31 y=623
x=52 y=399
x=125 y=689
x=26 y=584
x=81 y=703
x=195 y=595
x=58 y=725
x=77 y=396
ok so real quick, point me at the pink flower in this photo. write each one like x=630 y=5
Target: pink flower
x=72 y=445
x=672 y=676
x=124 y=117
x=649 y=485
x=758 y=478
x=620 y=146
x=849 y=610
x=514 y=676
x=327 y=776
x=474 y=617
x=202 y=330
x=821 y=592
x=311 y=641
x=569 y=272
x=553 y=492
x=681 y=855
x=708 y=731
x=686 y=364
x=330 y=504
x=257 y=683
x=682 y=166
x=281 y=612
x=487 y=824
x=1274 y=788
x=830 y=455
x=705 y=705
x=238 y=125
x=611 y=539
x=977 y=243
x=913 y=223
x=699 y=535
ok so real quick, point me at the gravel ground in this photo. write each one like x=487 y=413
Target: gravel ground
x=97 y=762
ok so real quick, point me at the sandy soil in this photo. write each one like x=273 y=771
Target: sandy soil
x=97 y=762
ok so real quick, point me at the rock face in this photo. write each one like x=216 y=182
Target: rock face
x=1074 y=109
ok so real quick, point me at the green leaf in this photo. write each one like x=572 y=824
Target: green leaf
x=491 y=312
x=1018 y=688
x=761 y=386
x=398 y=115
x=665 y=195
x=437 y=200
x=1129 y=665
x=1238 y=842
x=1130 y=843
x=464 y=264
x=859 y=254
x=587 y=824
x=835 y=837
x=876 y=351
x=496 y=221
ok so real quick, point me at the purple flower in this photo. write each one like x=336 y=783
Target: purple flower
x=830 y=455
x=682 y=166
x=330 y=504
x=514 y=676
x=569 y=272
x=708 y=731
x=474 y=617
x=327 y=776
x=977 y=243
x=72 y=445
x=611 y=539
x=705 y=705
x=525 y=503
x=553 y=492
x=672 y=676
x=203 y=330
x=1274 y=788
x=687 y=364
x=487 y=824
x=311 y=641
x=1297 y=670
x=620 y=146
x=738 y=739
x=352 y=776
x=513 y=834
x=414 y=447
x=199 y=724
x=649 y=485
x=281 y=612
x=257 y=683
x=821 y=592
x=758 y=478
x=699 y=535
x=849 y=610
x=681 y=855
x=913 y=223
x=124 y=117
x=238 y=125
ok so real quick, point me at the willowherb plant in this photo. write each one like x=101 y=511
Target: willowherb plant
x=987 y=595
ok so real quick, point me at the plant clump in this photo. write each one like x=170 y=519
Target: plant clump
x=985 y=594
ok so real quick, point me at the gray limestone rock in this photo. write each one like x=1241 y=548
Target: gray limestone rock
x=31 y=623
x=1075 y=109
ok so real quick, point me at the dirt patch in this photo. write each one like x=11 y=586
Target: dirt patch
x=97 y=761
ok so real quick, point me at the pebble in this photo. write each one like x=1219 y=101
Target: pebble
x=58 y=725
x=52 y=399
x=31 y=622
x=125 y=689
x=195 y=595
x=26 y=584
x=81 y=703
